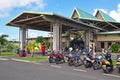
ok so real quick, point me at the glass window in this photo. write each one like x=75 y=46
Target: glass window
x=102 y=44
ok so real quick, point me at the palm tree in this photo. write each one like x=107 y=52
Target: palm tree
x=3 y=40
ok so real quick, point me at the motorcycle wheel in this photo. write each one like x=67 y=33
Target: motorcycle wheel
x=119 y=69
x=70 y=63
x=109 y=69
x=57 y=61
x=76 y=64
x=87 y=65
x=50 y=60
x=95 y=66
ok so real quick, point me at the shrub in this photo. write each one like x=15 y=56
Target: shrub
x=115 y=47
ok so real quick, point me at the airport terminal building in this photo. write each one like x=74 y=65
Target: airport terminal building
x=100 y=30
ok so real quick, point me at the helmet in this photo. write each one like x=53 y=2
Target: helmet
x=70 y=49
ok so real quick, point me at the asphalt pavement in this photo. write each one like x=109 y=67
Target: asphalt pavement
x=18 y=70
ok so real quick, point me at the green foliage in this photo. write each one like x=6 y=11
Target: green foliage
x=115 y=47
x=47 y=44
x=77 y=43
x=35 y=58
x=3 y=40
x=10 y=46
x=40 y=39
x=8 y=54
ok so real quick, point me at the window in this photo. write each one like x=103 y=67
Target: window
x=109 y=44
x=102 y=44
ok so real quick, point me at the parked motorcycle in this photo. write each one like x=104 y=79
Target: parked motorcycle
x=52 y=57
x=97 y=64
x=118 y=63
x=107 y=66
x=70 y=59
x=59 y=58
x=107 y=63
x=88 y=60
x=77 y=61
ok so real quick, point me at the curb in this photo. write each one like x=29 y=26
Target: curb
x=23 y=60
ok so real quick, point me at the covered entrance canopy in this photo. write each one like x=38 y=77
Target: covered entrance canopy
x=47 y=22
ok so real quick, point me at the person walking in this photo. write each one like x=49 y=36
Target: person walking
x=43 y=49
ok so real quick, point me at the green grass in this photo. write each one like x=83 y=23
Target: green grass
x=8 y=54
x=114 y=61
x=35 y=58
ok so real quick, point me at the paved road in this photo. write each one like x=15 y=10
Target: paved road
x=13 y=70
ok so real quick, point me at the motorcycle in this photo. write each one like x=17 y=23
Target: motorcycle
x=88 y=61
x=78 y=61
x=107 y=63
x=70 y=59
x=97 y=64
x=118 y=63
x=107 y=66
x=52 y=57
x=60 y=58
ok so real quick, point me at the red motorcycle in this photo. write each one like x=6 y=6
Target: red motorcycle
x=52 y=58
x=59 y=58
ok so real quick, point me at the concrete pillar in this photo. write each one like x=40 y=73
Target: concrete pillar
x=87 y=39
x=51 y=36
x=56 y=36
x=106 y=45
x=60 y=29
x=22 y=37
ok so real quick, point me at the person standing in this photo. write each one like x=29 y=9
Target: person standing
x=43 y=49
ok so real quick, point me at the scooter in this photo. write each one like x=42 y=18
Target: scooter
x=97 y=64
x=107 y=66
x=118 y=63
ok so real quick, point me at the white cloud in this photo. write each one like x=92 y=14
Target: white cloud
x=32 y=35
x=116 y=13
x=1 y=33
x=7 y=5
x=36 y=33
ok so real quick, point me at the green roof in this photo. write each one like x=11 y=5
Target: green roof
x=85 y=15
x=106 y=17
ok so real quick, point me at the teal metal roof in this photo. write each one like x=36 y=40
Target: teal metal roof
x=106 y=17
x=85 y=15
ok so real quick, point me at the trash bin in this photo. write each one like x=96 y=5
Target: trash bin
x=17 y=51
x=22 y=53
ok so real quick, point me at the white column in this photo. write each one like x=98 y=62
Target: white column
x=22 y=37
x=56 y=37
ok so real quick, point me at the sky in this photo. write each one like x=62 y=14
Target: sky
x=11 y=8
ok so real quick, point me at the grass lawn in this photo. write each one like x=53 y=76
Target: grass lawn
x=8 y=54
x=35 y=58
x=114 y=61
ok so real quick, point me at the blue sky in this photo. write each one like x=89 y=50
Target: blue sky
x=11 y=8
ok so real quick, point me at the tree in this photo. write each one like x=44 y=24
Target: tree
x=47 y=44
x=40 y=39
x=10 y=46
x=115 y=47
x=3 y=40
